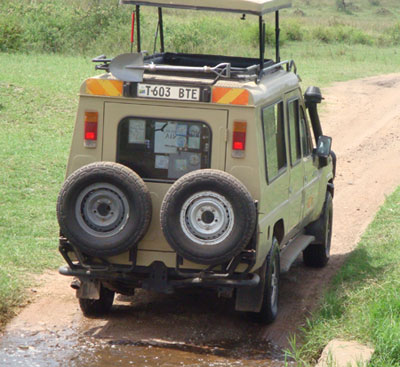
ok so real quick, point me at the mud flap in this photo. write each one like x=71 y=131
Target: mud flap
x=89 y=289
x=251 y=299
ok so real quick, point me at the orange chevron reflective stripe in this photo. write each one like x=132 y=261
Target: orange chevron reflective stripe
x=101 y=87
x=230 y=96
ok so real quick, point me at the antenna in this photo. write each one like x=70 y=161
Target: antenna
x=133 y=31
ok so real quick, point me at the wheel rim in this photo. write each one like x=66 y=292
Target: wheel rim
x=102 y=210
x=274 y=285
x=207 y=218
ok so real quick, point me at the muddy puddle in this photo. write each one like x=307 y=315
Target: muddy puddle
x=51 y=349
x=185 y=329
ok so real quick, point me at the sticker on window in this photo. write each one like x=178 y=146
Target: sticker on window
x=165 y=138
x=193 y=143
x=182 y=163
x=162 y=162
x=137 y=132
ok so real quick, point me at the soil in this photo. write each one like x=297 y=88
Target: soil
x=197 y=329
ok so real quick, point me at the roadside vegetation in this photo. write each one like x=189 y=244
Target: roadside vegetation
x=45 y=51
x=364 y=300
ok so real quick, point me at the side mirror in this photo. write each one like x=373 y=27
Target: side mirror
x=324 y=146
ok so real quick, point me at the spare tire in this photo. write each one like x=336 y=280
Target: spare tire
x=104 y=209
x=208 y=217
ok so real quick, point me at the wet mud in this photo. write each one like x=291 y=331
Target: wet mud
x=145 y=330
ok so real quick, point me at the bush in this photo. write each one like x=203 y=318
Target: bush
x=393 y=34
x=343 y=34
x=10 y=35
x=293 y=31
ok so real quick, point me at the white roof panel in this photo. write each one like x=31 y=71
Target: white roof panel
x=258 y=7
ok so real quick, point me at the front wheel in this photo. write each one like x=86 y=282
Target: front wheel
x=317 y=254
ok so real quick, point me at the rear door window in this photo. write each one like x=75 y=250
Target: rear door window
x=163 y=150
x=306 y=138
x=274 y=140
x=294 y=132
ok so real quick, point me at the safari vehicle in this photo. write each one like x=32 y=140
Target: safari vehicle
x=192 y=170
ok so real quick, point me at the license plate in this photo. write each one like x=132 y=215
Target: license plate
x=168 y=92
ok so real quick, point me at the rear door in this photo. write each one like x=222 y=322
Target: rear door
x=162 y=144
x=296 y=195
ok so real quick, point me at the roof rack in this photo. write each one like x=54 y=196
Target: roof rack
x=256 y=7
x=131 y=67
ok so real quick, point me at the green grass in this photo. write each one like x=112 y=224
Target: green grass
x=37 y=107
x=364 y=300
x=99 y=26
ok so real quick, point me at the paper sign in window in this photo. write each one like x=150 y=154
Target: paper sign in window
x=165 y=137
x=162 y=162
x=137 y=132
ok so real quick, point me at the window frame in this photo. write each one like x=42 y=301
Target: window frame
x=289 y=101
x=157 y=119
x=308 y=134
x=284 y=169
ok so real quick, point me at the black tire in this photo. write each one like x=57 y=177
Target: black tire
x=104 y=209
x=223 y=204
x=99 y=307
x=269 y=308
x=317 y=254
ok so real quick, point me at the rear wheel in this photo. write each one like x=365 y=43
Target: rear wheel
x=98 y=307
x=317 y=254
x=269 y=307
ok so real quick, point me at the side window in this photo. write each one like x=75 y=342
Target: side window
x=159 y=149
x=306 y=139
x=294 y=132
x=274 y=140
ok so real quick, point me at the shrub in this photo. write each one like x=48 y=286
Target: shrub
x=10 y=36
x=293 y=31
x=393 y=33
x=375 y=2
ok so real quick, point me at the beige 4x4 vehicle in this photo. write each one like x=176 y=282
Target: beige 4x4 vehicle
x=195 y=171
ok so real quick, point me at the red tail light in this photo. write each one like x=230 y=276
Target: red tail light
x=91 y=121
x=239 y=139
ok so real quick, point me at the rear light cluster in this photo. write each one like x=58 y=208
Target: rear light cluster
x=91 y=122
x=239 y=139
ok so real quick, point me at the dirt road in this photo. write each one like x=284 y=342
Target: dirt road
x=193 y=329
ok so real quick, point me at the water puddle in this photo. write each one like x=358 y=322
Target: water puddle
x=64 y=348
x=147 y=330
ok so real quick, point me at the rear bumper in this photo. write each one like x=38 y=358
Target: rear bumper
x=157 y=279
x=157 y=276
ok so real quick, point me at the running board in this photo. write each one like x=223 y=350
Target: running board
x=292 y=250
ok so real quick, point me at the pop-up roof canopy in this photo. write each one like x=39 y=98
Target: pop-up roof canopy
x=257 y=7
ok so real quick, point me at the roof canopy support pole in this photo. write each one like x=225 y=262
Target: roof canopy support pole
x=161 y=25
x=262 y=43
x=139 y=47
x=277 y=37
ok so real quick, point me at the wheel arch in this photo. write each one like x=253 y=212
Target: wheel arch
x=279 y=230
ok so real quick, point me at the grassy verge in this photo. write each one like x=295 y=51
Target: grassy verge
x=364 y=301
x=37 y=107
